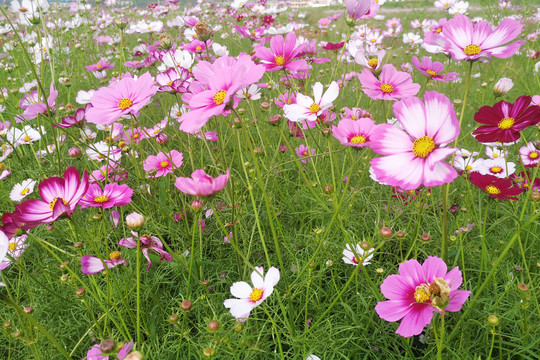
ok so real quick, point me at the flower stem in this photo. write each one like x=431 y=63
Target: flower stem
x=138 y=290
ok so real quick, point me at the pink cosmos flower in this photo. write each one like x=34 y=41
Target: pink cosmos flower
x=414 y=157
x=355 y=133
x=112 y=195
x=147 y=243
x=281 y=54
x=163 y=164
x=99 y=66
x=433 y=69
x=215 y=87
x=69 y=121
x=124 y=97
x=249 y=297
x=529 y=155
x=15 y=248
x=391 y=84
x=309 y=109
x=418 y=291
x=33 y=110
x=466 y=41
x=357 y=9
x=59 y=196
x=303 y=152
x=201 y=184
x=92 y=265
x=95 y=353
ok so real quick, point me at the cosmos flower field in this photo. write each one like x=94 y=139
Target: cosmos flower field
x=252 y=180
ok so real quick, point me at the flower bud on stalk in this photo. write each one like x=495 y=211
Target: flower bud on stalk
x=502 y=86
x=203 y=31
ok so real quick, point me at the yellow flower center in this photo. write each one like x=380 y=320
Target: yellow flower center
x=491 y=189
x=358 y=139
x=495 y=156
x=423 y=147
x=533 y=155
x=52 y=203
x=23 y=10
x=472 y=49
x=431 y=72
x=280 y=61
x=387 y=88
x=198 y=48
x=12 y=246
x=125 y=103
x=219 y=98
x=101 y=199
x=421 y=294
x=256 y=295
x=27 y=138
x=357 y=259
x=98 y=66
x=468 y=168
x=115 y=255
x=506 y=123
x=314 y=108
x=164 y=164
x=25 y=191
x=438 y=31
x=496 y=169
x=373 y=63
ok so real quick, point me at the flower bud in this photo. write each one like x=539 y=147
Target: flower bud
x=196 y=205
x=493 y=320
x=274 y=120
x=162 y=138
x=365 y=245
x=136 y=355
x=107 y=346
x=186 y=305
x=265 y=105
x=386 y=232
x=400 y=234
x=328 y=189
x=28 y=309
x=173 y=318
x=523 y=287
x=208 y=352
x=502 y=86
x=213 y=325
x=134 y=221
x=80 y=292
x=535 y=195
x=165 y=41
x=425 y=237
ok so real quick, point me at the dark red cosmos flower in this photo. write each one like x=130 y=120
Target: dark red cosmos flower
x=494 y=186
x=333 y=46
x=504 y=121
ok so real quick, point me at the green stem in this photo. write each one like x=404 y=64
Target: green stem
x=138 y=290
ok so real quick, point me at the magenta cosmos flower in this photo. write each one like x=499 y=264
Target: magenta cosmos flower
x=433 y=70
x=418 y=291
x=163 y=164
x=92 y=265
x=215 y=87
x=504 y=121
x=99 y=66
x=281 y=54
x=201 y=184
x=112 y=195
x=355 y=133
x=465 y=41
x=414 y=156
x=391 y=84
x=124 y=97
x=495 y=187
x=249 y=297
x=59 y=196
x=147 y=243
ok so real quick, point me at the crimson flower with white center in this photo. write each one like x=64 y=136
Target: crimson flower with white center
x=249 y=297
x=310 y=109
x=414 y=156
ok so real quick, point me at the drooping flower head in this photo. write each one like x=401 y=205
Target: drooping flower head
x=201 y=184
x=465 y=41
x=124 y=97
x=148 y=243
x=106 y=352
x=504 y=121
x=391 y=84
x=59 y=196
x=249 y=297
x=414 y=156
x=433 y=70
x=357 y=9
x=418 y=291
x=357 y=255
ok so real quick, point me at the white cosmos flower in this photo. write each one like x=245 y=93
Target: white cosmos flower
x=358 y=255
x=310 y=109
x=22 y=190
x=249 y=297
x=497 y=167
